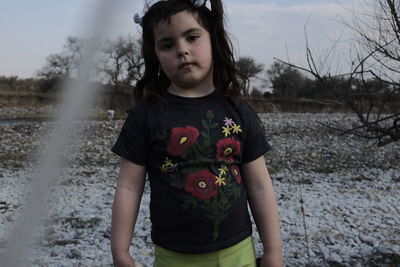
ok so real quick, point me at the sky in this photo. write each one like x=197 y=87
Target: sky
x=262 y=29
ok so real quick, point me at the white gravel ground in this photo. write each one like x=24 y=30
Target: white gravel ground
x=341 y=191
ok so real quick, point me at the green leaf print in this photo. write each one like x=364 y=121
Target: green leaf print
x=187 y=171
x=204 y=134
x=189 y=202
x=205 y=124
x=214 y=125
x=176 y=181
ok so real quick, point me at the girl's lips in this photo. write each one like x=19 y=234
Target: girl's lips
x=185 y=65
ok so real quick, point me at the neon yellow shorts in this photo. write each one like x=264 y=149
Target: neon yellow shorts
x=240 y=255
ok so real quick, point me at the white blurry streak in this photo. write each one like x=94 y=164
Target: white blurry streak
x=76 y=102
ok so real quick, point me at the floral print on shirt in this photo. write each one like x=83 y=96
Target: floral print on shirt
x=208 y=173
x=180 y=139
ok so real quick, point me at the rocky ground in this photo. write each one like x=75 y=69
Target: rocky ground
x=338 y=196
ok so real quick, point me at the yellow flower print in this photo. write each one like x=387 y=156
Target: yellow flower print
x=168 y=166
x=220 y=180
x=167 y=162
x=236 y=129
x=226 y=130
x=223 y=170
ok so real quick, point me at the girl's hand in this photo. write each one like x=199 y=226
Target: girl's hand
x=125 y=261
x=272 y=260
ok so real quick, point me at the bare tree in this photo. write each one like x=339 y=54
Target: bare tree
x=65 y=63
x=372 y=84
x=119 y=64
x=286 y=81
x=248 y=67
x=122 y=63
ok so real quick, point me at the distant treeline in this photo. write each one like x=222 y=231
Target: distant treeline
x=39 y=91
x=285 y=83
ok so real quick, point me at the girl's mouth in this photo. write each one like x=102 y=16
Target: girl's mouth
x=185 y=65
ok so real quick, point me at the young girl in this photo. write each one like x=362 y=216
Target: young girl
x=201 y=147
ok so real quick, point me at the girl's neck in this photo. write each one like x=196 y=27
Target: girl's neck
x=191 y=92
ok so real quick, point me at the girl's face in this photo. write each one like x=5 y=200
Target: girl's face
x=183 y=48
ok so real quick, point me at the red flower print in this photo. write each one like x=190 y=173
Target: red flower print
x=236 y=173
x=201 y=184
x=180 y=139
x=227 y=148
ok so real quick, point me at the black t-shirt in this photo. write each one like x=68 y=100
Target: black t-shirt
x=193 y=150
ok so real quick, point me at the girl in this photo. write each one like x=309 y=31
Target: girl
x=201 y=147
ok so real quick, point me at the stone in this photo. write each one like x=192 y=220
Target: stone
x=335 y=260
x=366 y=239
x=74 y=254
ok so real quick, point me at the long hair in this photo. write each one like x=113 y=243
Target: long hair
x=154 y=81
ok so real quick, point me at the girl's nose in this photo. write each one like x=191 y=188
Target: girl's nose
x=182 y=49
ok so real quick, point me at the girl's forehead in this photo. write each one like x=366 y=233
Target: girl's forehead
x=176 y=22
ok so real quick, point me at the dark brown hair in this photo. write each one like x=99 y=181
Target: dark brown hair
x=154 y=80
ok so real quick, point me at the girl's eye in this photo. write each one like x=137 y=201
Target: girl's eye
x=165 y=46
x=193 y=38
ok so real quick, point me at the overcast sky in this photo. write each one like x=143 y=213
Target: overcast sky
x=263 y=29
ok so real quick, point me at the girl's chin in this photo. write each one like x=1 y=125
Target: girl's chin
x=191 y=81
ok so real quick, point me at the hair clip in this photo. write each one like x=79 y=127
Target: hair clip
x=137 y=19
x=199 y=3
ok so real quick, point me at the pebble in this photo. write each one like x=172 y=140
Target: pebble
x=74 y=254
x=335 y=259
x=366 y=239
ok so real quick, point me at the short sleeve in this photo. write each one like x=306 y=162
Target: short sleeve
x=132 y=140
x=255 y=143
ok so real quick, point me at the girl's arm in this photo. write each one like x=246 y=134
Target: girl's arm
x=264 y=209
x=130 y=185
